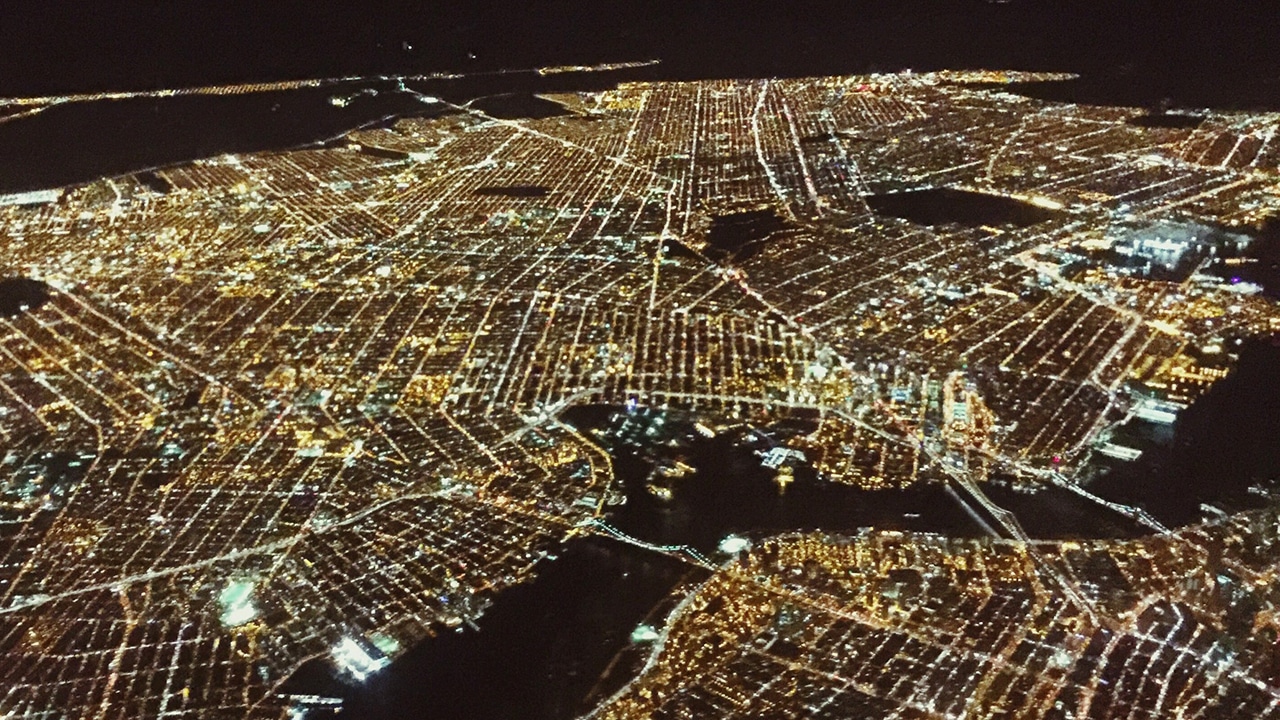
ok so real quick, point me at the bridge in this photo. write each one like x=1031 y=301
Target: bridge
x=682 y=552
x=1136 y=514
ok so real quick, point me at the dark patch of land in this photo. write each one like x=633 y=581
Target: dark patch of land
x=945 y=206
x=518 y=106
x=153 y=182
x=675 y=249
x=741 y=235
x=818 y=139
x=855 y=136
x=515 y=191
x=20 y=294
x=384 y=153
x=1174 y=121
x=192 y=399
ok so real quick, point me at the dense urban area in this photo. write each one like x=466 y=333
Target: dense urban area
x=262 y=409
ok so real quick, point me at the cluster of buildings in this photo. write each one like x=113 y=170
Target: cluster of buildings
x=315 y=394
x=892 y=625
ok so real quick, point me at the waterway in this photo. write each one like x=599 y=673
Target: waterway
x=1220 y=452
x=1258 y=263
x=729 y=491
x=82 y=141
x=542 y=648
x=77 y=142
x=1198 y=54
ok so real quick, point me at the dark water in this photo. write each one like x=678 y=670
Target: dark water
x=732 y=494
x=1220 y=446
x=1057 y=514
x=1259 y=263
x=79 y=142
x=1150 y=88
x=1204 y=54
x=20 y=294
x=1195 y=52
x=543 y=646
x=540 y=650
x=83 y=141
x=942 y=206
